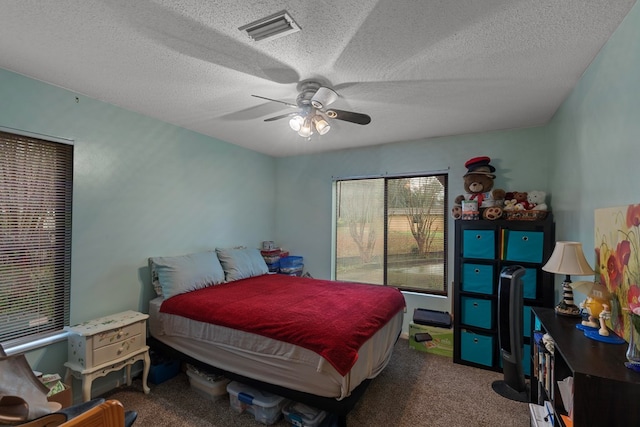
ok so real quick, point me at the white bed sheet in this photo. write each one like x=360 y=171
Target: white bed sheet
x=270 y=360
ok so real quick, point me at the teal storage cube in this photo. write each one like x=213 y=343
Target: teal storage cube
x=477 y=278
x=476 y=348
x=476 y=312
x=530 y=283
x=478 y=244
x=526 y=321
x=526 y=246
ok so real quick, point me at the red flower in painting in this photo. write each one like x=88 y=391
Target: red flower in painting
x=633 y=298
x=623 y=252
x=633 y=216
x=616 y=262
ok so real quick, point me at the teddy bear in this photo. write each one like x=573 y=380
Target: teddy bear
x=536 y=200
x=478 y=184
x=510 y=205
x=516 y=201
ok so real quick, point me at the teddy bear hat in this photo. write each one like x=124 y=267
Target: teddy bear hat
x=480 y=165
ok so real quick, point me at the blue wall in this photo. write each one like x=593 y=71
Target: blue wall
x=141 y=188
x=596 y=133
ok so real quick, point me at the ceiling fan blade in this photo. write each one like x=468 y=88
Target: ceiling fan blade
x=349 y=116
x=271 y=119
x=276 y=100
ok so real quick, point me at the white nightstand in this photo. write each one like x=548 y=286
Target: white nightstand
x=108 y=344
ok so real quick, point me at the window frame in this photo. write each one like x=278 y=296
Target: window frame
x=47 y=161
x=445 y=221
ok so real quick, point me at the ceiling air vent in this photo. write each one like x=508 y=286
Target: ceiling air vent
x=273 y=26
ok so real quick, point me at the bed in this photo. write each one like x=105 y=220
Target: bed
x=315 y=341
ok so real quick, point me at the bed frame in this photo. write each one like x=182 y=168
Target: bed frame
x=338 y=408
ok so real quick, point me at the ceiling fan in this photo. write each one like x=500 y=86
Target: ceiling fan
x=312 y=113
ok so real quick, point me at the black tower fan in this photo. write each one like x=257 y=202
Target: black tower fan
x=510 y=331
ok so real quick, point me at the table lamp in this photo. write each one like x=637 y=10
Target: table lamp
x=567 y=258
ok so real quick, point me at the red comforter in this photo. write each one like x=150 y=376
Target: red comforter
x=330 y=318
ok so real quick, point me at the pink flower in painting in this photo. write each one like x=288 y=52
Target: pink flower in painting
x=623 y=252
x=616 y=262
x=633 y=298
x=633 y=216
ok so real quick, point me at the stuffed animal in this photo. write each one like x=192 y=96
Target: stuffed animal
x=492 y=213
x=516 y=201
x=510 y=205
x=536 y=200
x=478 y=183
x=498 y=196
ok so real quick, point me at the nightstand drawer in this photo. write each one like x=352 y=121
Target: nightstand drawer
x=87 y=340
x=117 y=335
x=118 y=349
x=100 y=346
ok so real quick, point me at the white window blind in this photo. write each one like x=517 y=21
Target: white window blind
x=36 y=179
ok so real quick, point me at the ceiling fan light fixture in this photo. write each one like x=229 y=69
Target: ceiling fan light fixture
x=321 y=125
x=296 y=122
x=271 y=27
x=323 y=97
x=306 y=130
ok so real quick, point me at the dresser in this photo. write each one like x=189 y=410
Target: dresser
x=107 y=344
x=605 y=392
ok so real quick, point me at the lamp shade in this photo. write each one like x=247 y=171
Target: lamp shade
x=568 y=258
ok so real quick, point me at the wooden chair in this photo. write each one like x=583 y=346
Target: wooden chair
x=107 y=414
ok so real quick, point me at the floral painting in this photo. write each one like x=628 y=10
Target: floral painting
x=617 y=245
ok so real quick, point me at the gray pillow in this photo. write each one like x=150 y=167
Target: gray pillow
x=241 y=263
x=179 y=274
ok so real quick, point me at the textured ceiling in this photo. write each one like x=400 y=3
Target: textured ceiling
x=420 y=69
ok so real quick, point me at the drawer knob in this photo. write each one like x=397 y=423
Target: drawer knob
x=478 y=236
x=121 y=349
x=477 y=270
x=119 y=335
x=525 y=238
x=475 y=304
x=475 y=340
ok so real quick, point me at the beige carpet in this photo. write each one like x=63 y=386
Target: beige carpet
x=416 y=389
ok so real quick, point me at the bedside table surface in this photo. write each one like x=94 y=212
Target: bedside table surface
x=107 y=323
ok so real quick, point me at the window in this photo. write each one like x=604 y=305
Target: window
x=35 y=235
x=393 y=231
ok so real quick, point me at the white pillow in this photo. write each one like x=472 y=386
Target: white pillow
x=179 y=274
x=241 y=263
